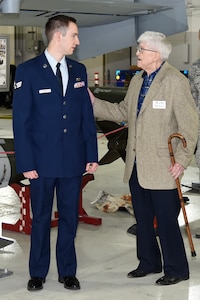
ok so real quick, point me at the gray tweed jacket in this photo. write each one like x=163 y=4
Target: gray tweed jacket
x=168 y=108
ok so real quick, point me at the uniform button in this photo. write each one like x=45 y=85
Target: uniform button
x=64 y=102
x=65 y=130
x=64 y=116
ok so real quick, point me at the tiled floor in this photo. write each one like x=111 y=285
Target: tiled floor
x=106 y=253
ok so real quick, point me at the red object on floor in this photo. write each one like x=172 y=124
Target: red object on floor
x=83 y=216
x=24 y=223
x=155 y=223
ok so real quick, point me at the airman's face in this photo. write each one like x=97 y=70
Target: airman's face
x=70 y=40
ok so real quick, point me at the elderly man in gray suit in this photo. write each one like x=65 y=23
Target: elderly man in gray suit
x=158 y=103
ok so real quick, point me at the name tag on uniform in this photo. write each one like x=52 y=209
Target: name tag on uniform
x=159 y=104
x=79 y=84
x=45 y=91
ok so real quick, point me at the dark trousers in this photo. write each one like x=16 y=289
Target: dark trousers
x=42 y=195
x=165 y=205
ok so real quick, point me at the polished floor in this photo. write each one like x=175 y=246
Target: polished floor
x=106 y=252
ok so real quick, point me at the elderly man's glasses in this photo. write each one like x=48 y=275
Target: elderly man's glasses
x=141 y=50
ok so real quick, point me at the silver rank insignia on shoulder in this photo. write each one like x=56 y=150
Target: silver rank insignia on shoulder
x=44 y=66
x=17 y=85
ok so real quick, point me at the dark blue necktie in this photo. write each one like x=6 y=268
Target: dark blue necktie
x=59 y=76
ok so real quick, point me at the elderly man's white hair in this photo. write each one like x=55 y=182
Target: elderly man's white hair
x=156 y=41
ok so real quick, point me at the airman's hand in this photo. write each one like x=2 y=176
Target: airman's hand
x=31 y=174
x=91 y=167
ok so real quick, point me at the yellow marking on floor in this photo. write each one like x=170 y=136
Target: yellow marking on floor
x=6 y=117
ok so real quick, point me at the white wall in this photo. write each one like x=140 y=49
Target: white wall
x=9 y=30
x=185 y=50
x=93 y=65
x=120 y=60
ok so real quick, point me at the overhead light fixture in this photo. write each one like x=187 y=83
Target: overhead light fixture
x=10 y=6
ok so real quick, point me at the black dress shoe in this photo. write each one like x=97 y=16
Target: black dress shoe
x=140 y=273
x=170 y=280
x=70 y=282
x=35 y=284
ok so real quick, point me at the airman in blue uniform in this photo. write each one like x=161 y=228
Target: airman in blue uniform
x=55 y=143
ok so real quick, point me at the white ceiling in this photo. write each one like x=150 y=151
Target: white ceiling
x=87 y=12
x=104 y=26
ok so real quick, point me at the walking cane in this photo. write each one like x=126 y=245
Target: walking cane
x=193 y=253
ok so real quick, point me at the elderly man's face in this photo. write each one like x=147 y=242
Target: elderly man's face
x=147 y=57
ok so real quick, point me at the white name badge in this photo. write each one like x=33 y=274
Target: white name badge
x=159 y=104
x=45 y=91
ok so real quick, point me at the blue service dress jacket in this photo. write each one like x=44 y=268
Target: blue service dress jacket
x=53 y=134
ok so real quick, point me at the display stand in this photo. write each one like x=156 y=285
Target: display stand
x=83 y=216
x=25 y=221
x=3 y=243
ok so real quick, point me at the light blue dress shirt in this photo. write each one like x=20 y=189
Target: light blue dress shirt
x=63 y=68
